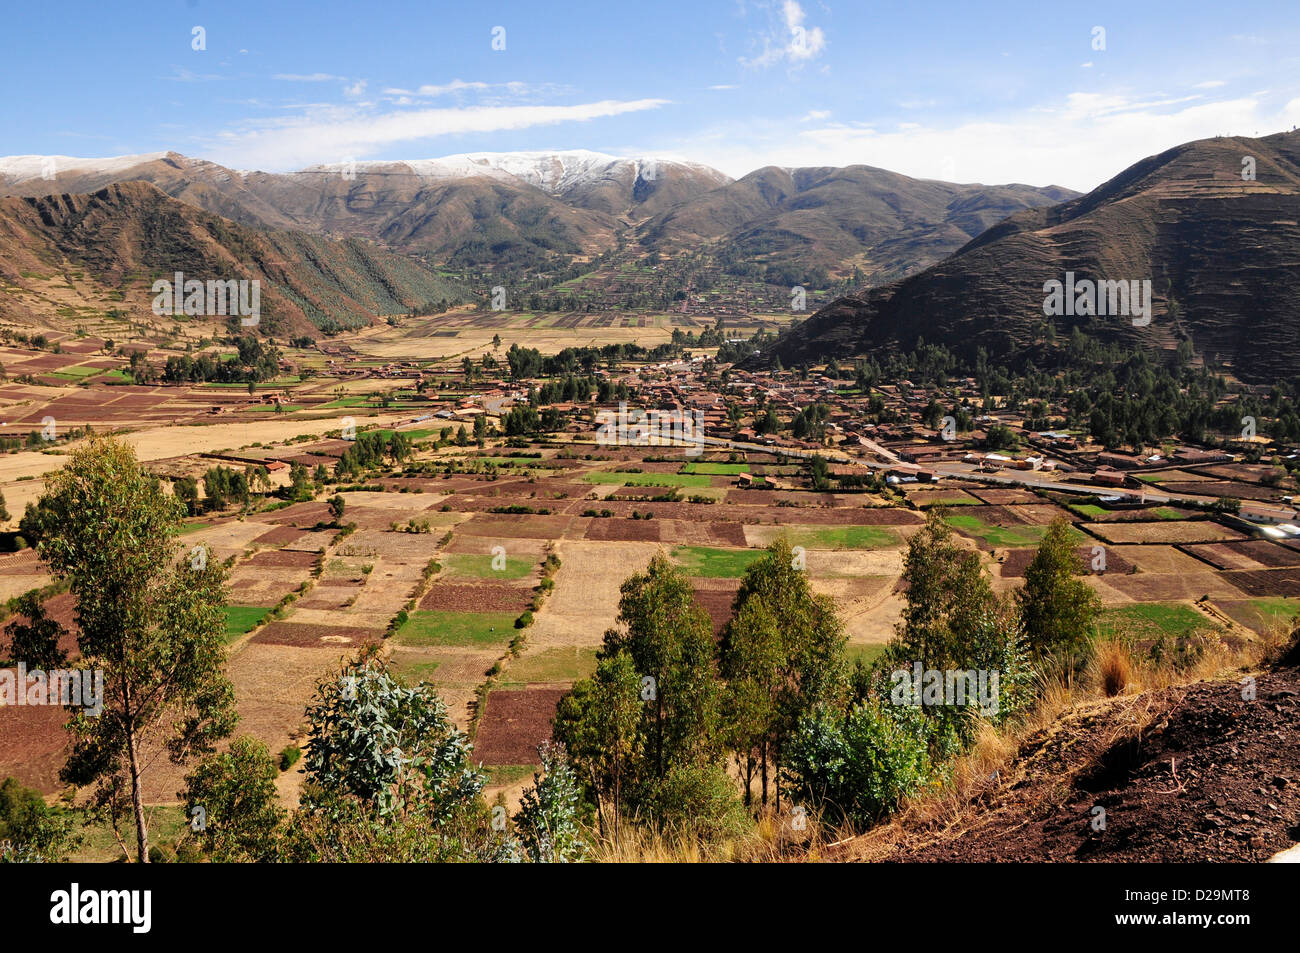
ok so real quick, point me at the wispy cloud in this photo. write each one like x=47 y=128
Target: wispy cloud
x=187 y=76
x=789 y=40
x=306 y=77
x=1040 y=146
x=333 y=133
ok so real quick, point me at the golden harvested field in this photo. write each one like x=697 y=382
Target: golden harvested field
x=463 y=331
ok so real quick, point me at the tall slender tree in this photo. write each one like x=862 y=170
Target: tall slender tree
x=670 y=639
x=1057 y=607
x=154 y=625
x=783 y=653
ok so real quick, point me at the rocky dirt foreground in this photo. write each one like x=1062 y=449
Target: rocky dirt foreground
x=1192 y=773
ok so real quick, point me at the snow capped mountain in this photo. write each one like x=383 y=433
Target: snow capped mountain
x=15 y=169
x=557 y=173
x=535 y=205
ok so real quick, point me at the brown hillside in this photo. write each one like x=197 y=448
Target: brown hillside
x=1223 y=256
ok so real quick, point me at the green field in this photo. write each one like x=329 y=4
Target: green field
x=77 y=372
x=346 y=402
x=1268 y=613
x=648 y=479
x=964 y=499
x=441 y=627
x=480 y=567
x=715 y=563
x=1090 y=510
x=240 y=619
x=715 y=469
x=1276 y=605
x=843 y=537
x=413 y=435
x=1148 y=621
x=413 y=671
x=1004 y=536
x=551 y=665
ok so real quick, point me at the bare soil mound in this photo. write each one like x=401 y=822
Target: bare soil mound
x=1195 y=773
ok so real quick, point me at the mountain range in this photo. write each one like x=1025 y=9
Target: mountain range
x=485 y=209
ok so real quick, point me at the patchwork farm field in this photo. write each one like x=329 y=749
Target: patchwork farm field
x=492 y=573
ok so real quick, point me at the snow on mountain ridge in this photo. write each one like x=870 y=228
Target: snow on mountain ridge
x=553 y=172
x=21 y=168
x=557 y=173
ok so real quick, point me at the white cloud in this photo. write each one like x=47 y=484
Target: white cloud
x=1210 y=84
x=305 y=77
x=460 y=86
x=724 y=86
x=1078 y=143
x=816 y=115
x=789 y=40
x=455 y=86
x=356 y=90
x=329 y=134
x=186 y=76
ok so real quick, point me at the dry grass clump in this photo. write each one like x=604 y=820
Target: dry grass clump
x=771 y=838
x=1112 y=665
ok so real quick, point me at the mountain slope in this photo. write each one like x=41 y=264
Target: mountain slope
x=127 y=235
x=885 y=223
x=1222 y=255
x=468 y=209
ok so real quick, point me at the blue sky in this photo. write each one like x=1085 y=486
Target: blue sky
x=968 y=91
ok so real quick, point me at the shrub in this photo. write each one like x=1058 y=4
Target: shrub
x=547 y=821
x=859 y=768
x=697 y=799
x=289 y=757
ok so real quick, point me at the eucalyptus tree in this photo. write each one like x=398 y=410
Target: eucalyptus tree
x=152 y=623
